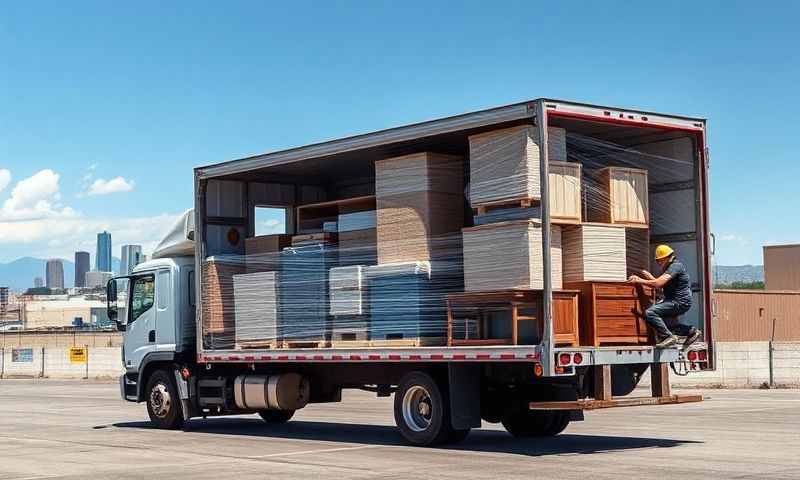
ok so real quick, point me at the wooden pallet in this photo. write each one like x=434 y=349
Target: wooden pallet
x=485 y=208
x=258 y=344
x=395 y=342
x=305 y=344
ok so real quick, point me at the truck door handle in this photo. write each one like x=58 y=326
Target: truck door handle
x=151 y=336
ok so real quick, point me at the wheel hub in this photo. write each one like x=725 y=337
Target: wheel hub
x=417 y=408
x=160 y=400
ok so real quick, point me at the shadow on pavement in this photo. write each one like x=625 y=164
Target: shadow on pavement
x=479 y=440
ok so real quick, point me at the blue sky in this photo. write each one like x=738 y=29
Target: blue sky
x=118 y=102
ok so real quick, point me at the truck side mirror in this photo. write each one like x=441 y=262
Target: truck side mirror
x=117 y=301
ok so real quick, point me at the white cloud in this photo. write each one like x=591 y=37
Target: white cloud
x=104 y=187
x=5 y=178
x=35 y=197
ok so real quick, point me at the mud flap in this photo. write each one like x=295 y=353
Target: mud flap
x=464 y=391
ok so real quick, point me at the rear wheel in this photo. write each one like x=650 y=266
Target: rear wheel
x=422 y=412
x=163 y=402
x=276 y=417
x=530 y=423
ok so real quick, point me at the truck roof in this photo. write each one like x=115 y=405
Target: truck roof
x=467 y=121
x=167 y=262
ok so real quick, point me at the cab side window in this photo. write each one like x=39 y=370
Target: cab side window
x=143 y=296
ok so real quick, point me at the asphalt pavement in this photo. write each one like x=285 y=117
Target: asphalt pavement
x=82 y=430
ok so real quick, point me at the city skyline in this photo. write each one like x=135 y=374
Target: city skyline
x=102 y=259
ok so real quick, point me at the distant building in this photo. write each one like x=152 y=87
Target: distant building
x=782 y=267
x=65 y=313
x=38 y=282
x=54 y=273
x=102 y=259
x=131 y=256
x=3 y=300
x=95 y=279
x=82 y=265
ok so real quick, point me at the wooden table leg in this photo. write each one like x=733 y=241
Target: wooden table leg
x=659 y=379
x=514 y=315
x=602 y=382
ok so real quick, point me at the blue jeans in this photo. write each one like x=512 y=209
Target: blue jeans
x=663 y=317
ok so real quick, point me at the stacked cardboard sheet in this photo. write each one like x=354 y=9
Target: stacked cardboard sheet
x=218 y=303
x=508 y=255
x=263 y=252
x=594 y=252
x=256 y=307
x=420 y=207
x=348 y=303
x=304 y=292
x=504 y=164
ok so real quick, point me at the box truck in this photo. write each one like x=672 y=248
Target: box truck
x=452 y=263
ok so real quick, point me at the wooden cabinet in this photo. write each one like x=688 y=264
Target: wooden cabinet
x=565 y=192
x=523 y=306
x=612 y=313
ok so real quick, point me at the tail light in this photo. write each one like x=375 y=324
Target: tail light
x=538 y=370
x=692 y=356
x=702 y=355
x=564 y=358
x=577 y=358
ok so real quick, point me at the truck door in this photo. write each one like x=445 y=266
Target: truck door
x=140 y=332
x=166 y=312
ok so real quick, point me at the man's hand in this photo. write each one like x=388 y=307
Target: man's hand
x=634 y=279
x=648 y=275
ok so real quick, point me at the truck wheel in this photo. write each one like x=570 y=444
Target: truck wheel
x=528 y=423
x=276 y=417
x=422 y=412
x=559 y=423
x=163 y=402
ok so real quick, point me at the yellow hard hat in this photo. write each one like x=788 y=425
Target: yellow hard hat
x=663 y=251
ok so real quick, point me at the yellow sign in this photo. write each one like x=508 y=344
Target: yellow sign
x=77 y=355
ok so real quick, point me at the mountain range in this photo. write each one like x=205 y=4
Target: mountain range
x=19 y=274
x=738 y=273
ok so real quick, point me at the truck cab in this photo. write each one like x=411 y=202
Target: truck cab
x=155 y=308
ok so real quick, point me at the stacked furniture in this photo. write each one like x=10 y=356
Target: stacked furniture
x=349 y=303
x=618 y=195
x=304 y=294
x=256 y=301
x=612 y=313
x=218 y=309
x=565 y=192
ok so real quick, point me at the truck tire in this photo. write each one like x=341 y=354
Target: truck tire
x=276 y=417
x=529 y=423
x=422 y=412
x=163 y=401
x=560 y=422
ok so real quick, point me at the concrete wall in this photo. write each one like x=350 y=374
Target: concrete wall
x=55 y=362
x=746 y=364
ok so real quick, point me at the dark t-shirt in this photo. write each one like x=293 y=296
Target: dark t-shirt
x=679 y=288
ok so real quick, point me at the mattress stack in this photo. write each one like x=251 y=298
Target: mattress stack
x=256 y=300
x=420 y=207
x=508 y=255
x=594 y=252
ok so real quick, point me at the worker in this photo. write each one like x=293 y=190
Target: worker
x=663 y=317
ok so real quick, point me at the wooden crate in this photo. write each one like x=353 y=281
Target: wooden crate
x=508 y=255
x=504 y=164
x=565 y=192
x=612 y=313
x=618 y=195
x=520 y=304
x=593 y=252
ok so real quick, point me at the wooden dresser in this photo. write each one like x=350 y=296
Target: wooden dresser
x=612 y=313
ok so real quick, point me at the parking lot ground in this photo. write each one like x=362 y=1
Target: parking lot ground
x=79 y=429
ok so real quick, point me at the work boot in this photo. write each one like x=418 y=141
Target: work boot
x=694 y=335
x=667 y=342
